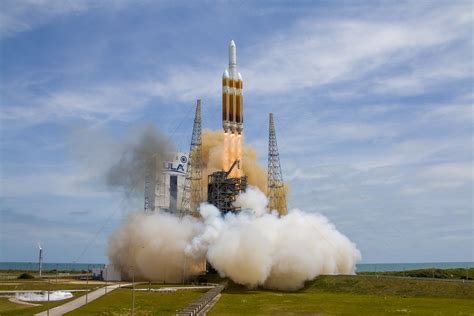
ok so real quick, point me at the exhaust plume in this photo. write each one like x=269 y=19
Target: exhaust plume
x=152 y=247
x=143 y=153
x=253 y=248
x=213 y=157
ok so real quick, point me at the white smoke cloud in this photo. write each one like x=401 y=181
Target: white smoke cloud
x=152 y=247
x=253 y=248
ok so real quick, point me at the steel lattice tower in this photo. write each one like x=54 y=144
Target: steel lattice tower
x=192 y=193
x=147 y=191
x=275 y=186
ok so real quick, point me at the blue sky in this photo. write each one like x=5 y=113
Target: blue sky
x=372 y=103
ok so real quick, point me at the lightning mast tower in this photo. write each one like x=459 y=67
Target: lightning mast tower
x=275 y=186
x=192 y=193
x=147 y=191
x=40 y=260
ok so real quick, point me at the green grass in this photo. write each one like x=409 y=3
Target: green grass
x=12 y=309
x=352 y=295
x=13 y=274
x=274 y=303
x=6 y=305
x=159 y=285
x=119 y=302
x=327 y=295
x=458 y=273
x=42 y=286
x=387 y=287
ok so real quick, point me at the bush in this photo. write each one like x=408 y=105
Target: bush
x=25 y=276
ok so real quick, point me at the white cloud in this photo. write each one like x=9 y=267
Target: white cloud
x=309 y=55
x=317 y=52
x=25 y=15
x=19 y=16
x=53 y=183
x=438 y=177
x=461 y=113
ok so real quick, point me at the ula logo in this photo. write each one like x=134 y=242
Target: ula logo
x=176 y=168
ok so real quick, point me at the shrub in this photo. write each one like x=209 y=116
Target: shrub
x=25 y=276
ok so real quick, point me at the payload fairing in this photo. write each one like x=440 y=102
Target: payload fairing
x=232 y=101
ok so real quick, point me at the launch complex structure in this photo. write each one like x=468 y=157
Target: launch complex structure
x=224 y=186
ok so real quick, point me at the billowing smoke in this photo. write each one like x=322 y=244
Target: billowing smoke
x=213 y=153
x=253 y=248
x=152 y=247
x=144 y=152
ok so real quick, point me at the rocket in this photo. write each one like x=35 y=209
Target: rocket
x=232 y=99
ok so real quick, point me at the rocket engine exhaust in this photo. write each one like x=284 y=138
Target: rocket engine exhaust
x=253 y=248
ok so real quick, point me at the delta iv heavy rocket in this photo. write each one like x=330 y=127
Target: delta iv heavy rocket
x=232 y=100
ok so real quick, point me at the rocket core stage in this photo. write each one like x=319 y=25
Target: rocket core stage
x=232 y=112
x=232 y=101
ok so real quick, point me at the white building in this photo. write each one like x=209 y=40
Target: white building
x=107 y=273
x=169 y=184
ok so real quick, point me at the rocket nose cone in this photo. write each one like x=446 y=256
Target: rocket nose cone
x=232 y=43
x=225 y=74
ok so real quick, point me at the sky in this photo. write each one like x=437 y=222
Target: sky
x=373 y=105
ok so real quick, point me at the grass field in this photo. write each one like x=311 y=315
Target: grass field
x=119 y=302
x=327 y=295
x=159 y=285
x=43 y=286
x=13 y=274
x=458 y=273
x=352 y=295
x=8 y=308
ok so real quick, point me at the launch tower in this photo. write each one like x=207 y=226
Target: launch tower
x=276 y=189
x=192 y=194
x=223 y=190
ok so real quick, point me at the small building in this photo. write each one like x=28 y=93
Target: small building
x=169 y=183
x=108 y=272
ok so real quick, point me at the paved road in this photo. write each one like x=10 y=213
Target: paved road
x=80 y=301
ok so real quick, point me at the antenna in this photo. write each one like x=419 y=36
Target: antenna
x=40 y=259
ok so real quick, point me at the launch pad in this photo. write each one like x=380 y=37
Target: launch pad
x=224 y=185
x=223 y=190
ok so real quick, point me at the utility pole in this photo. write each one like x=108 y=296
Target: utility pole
x=40 y=260
x=133 y=291
x=275 y=187
x=106 y=268
x=87 y=285
x=192 y=192
x=48 y=303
